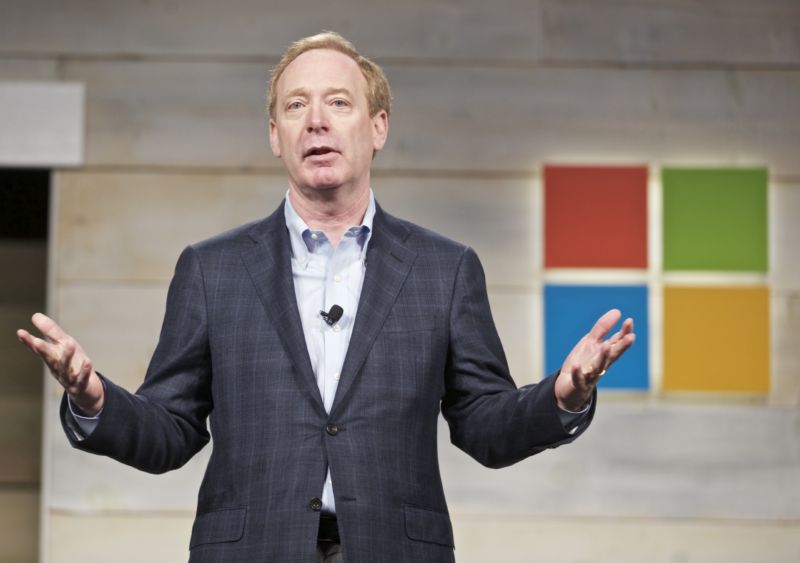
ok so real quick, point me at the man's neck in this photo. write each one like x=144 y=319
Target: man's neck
x=331 y=215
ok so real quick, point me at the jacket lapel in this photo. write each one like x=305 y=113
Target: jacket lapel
x=269 y=263
x=388 y=263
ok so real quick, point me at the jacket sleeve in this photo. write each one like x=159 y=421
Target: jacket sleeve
x=163 y=424
x=489 y=418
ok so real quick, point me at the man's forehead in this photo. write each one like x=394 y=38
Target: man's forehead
x=322 y=68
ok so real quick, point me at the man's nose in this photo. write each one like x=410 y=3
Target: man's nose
x=317 y=118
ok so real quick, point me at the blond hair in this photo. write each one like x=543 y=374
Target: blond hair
x=378 y=95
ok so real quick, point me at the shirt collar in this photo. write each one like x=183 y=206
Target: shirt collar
x=300 y=233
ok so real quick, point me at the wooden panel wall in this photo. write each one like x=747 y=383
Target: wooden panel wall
x=176 y=150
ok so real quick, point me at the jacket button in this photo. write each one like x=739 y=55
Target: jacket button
x=315 y=504
x=332 y=429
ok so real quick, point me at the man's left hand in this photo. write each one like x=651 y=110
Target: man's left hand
x=589 y=360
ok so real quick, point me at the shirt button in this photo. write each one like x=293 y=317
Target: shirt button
x=332 y=429
x=336 y=328
x=337 y=278
x=336 y=376
x=314 y=236
x=315 y=504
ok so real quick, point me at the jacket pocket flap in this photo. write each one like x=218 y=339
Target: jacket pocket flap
x=218 y=526
x=428 y=525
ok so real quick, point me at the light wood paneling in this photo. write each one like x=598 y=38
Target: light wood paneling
x=117 y=325
x=170 y=113
x=132 y=227
x=520 y=539
x=514 y=315
x=130 y=538
x=457 y=119
x=508 y=30
x=495 y=216
x=786 y=353
x=618 y=31
x=635 y=462
x=784 y=212
x=479 y=538
x=415 y=28
x=79 y=481
x=28 y=70
x=647 y=461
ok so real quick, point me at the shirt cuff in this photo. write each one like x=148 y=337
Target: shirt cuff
x=571 y=420
x=81 y=426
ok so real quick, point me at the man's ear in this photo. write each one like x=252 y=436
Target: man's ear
x=274 y=139
x=380 y=129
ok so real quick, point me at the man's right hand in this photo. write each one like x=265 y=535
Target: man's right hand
x=67 y=362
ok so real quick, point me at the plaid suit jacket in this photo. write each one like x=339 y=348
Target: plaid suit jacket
x=232 y=352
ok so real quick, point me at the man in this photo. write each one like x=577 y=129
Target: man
x=321 y=343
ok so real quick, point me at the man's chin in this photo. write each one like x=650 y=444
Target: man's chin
x=325 y=179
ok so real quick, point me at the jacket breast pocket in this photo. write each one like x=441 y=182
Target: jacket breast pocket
x=428 y=525
x=218 y=526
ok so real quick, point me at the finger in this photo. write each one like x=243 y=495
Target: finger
x=64 y=363
x=599 y=363
x=46 y=351
x=604 y=324
x=82 y=376
x=48 y=327
x=605 y=359
x=577 y=377
x=626 y=328
x=621 y=347
x=28 y=340
x=616 y=339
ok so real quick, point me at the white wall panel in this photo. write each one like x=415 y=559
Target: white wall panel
x=42 y=124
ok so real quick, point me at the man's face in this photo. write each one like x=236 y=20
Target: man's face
x=322 y=129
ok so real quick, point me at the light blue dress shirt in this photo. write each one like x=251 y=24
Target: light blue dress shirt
x=324 y=276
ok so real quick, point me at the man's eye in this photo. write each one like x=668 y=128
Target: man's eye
x=294 y=105
x=339 y=103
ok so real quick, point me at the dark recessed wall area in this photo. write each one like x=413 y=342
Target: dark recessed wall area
x=24 y=202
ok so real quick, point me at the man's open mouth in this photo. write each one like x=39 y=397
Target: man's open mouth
x=318 y=151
